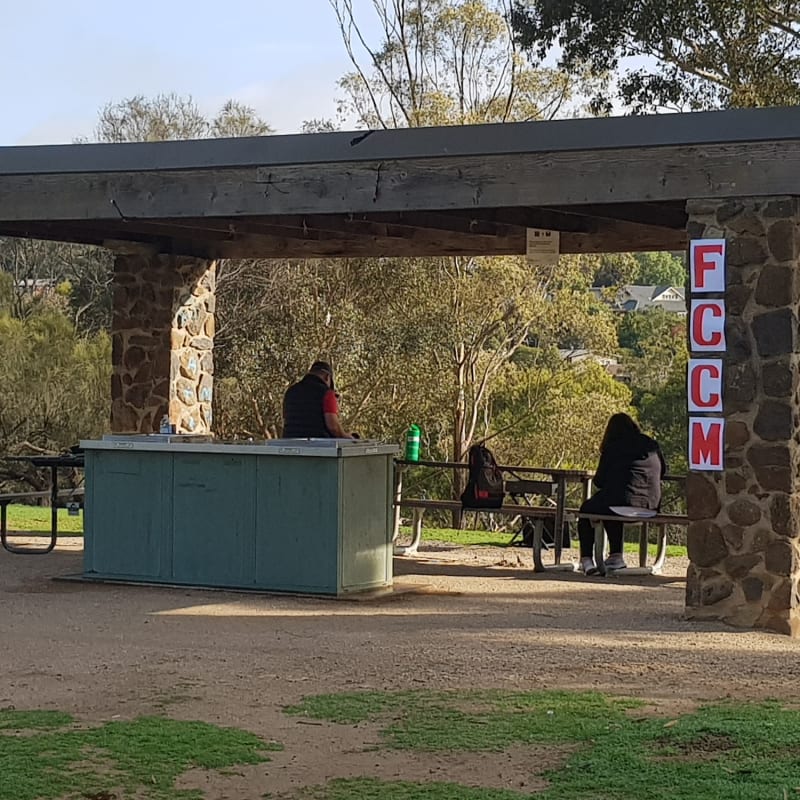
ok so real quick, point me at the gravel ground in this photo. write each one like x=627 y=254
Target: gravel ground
x=460 y=618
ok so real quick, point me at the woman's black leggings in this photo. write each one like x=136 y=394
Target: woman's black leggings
x=597 y=504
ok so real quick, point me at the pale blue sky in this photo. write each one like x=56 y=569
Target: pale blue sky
x=62 y=60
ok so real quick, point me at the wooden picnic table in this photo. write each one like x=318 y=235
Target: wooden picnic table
x=559 y=513
x=559 y=478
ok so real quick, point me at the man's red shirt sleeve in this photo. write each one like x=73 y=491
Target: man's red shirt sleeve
x=330 y=405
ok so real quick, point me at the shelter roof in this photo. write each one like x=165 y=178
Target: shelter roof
x=605 y=184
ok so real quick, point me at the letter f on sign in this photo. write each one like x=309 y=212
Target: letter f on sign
x=707 y=265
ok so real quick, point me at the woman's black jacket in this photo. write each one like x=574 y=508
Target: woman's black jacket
x=630 y=472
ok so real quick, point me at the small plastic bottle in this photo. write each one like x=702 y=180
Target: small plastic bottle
x=165 y=427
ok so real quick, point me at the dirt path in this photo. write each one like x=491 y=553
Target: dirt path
x=480 y=619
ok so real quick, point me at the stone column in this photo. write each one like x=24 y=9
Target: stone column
x=743 y=538
x=162 y=343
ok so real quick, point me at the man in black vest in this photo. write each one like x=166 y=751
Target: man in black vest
x=310 y=406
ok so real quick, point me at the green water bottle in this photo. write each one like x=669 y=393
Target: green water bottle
x=413 y=436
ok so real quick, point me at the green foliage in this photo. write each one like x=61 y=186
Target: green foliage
x=654 y=340
x=38 y=275
x=439 y=353
x=643 y=269
x=554 y=416
x=171 y=116
x=141 y=758
x=444 y=62
x=56 y=387
x=616 y=269
x=692 y=55
x=731 y=750
x=661 y=269
x=663 y=411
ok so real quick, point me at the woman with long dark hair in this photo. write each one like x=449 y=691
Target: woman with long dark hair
x=629 y=474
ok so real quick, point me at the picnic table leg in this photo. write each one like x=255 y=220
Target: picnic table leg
x=416 y=535
x=398 y=496
x=34 y=551
x=53 y=507
x=538 y=530
x=661 y=552
x=600 y=546
x=561 y=502
x=4 y=524
x=643 y=531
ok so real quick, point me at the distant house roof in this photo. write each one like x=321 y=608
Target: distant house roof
x=643 y=298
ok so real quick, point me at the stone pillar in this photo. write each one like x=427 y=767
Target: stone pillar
x=743 y=538
x=162 y=343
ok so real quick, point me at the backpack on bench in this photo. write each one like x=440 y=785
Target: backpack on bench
x=485 y=483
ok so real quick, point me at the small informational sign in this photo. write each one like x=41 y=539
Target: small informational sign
x=706 y=443
x=707 y=265
x=542 y=246
x=707 y=326
x=705 y=385
x=73 y=509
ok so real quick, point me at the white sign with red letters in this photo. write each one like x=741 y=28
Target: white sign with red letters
x=707 y=265
x=706 y=335
x=707 y=326
x=706 y=443
x=705 y=385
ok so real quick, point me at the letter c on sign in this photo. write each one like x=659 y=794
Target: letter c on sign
x=707 y=326
x=705 y=385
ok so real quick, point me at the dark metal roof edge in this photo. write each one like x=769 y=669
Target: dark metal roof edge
x=699 y=128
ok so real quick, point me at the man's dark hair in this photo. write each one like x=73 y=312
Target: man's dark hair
x=322 y=366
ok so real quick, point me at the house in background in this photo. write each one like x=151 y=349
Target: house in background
x=644 y=298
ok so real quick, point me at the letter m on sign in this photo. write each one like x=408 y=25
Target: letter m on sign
x=706 y=443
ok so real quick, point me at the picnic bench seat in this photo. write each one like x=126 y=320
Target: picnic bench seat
x=421 y=504
x=597 y=520
x=539 y=514
x=659 y=520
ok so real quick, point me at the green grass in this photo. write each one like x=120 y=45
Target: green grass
x=732 y=750
x=485 y=720
x=373 y=789
x=498 y=539
x=32 y=720
x=141 y=758
x=36 y=519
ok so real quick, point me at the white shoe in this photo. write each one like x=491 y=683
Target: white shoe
x=588 y=566
x=615 y=561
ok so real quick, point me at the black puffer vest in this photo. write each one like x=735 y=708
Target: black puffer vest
x=302 y=410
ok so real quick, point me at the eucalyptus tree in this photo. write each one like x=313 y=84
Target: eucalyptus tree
x=677 y=54
x=455 y=62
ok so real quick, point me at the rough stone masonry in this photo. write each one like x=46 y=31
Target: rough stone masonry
x=162 y=343
x=743 y=539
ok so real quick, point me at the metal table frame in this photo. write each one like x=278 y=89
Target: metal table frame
x=53 y=463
